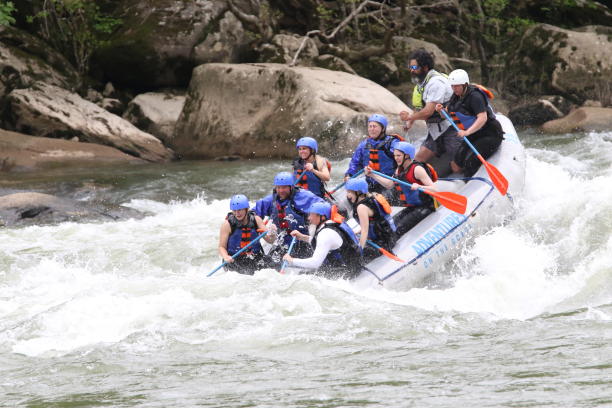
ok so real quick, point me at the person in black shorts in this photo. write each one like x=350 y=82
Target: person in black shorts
x=470 y=110
x=431 y=88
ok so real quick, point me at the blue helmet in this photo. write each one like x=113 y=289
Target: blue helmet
x=283 y=179
x=406 y=148
x=308 y=142
x=378 y=118
x=238 y=202
x=357 y=185
x=321 y=209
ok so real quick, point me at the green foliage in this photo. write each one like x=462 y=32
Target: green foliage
x=76 y=28
x=324 y=13
x=6 y=9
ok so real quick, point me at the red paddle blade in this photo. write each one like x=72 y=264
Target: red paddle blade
x=496 y=177
x=452 y=201
x=390 y=255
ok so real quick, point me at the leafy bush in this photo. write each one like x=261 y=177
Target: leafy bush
x=6 y=9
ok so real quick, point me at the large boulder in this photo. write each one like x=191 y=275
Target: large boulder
x=333 y=63
x=155 y=45
x=261 y=110
x=155 y=113
x=50 y=111
x=226 y=41
x=534 y=113
x=23 y=153
x=551 y=60
x=581 y=120
x=25 y=59
x=25 y=208
x=282 y=50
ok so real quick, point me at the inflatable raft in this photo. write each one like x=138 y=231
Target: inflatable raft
x=440 y=237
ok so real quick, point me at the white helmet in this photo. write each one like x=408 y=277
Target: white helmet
x=459 y=77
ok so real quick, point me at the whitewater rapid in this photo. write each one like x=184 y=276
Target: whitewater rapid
x=137 y=289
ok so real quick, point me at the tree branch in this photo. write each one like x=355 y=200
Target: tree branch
x=245 y=18
x=442 y=3
x=351 y=56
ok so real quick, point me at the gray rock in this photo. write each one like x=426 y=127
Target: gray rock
x=552 y=60
x=155 y=113
x=25 y=59
x=114 y=106
x=283 y=47
x=155 y=44
x=20 y=153
x=535 y=114
x=26 y=208
x=93 y=96
x=592 y=104
x=50 y=111
x=581 y=120
x=109 y=91
x=561 y=103
x=261 y=110
x=333 y=63
x=228 y=44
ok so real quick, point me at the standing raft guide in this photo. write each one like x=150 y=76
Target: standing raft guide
x=395 y=226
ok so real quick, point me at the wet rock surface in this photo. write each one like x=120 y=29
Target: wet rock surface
x=535 y=113
x=49 y=111
x=156 y=112
x=552 y=60
x=581 y=120
x=20 y=152
x=25 y=59
x=25 y=208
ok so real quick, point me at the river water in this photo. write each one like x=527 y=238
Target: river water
x=120 y=313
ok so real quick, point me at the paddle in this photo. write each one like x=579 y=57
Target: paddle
x=452 y=201
x=238 y=253
x=282 y=270
x=496 y=177
x=385 y=252
x=299 y=178
x=340 y=186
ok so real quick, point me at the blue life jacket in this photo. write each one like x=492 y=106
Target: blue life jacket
x=463 y=117
x=349 y=255
x=410 y=197
x=241 y=235
x=380 y=155
x=289 y=218
x=310 y=181
x=381 y=225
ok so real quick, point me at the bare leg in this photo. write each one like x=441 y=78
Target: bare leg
x=456 y=169
x=424 y=155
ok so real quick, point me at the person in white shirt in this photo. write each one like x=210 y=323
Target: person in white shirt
x=431 y=88
x=337 y=252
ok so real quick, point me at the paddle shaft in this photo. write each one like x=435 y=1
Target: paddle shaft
x=340 y=186
x=452 y=201
x=288 y=253
x=496 y=177
x=299 y=178
x=238 y=253
x=464 y=138
x=400 y=182
x=385 y=252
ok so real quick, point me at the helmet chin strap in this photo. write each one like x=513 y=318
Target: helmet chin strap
x=382 y=133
